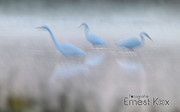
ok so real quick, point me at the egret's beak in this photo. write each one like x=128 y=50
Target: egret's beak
x=80 y=26
x=149 y=37
x=38 y=27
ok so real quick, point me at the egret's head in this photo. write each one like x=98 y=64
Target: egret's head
x=43 y=27
x=145 y=34
x=85 y=25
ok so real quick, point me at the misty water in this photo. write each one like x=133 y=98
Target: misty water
x=31 y=69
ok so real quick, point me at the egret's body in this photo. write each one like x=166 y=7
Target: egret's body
x=68 y=49
x=92 y=38
x=132 y=42
x=65 y=48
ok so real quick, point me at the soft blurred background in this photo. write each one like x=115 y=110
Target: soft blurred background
x=36 y=78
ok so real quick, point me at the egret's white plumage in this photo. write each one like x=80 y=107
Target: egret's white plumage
x=132 y=42
x=92 y=38
x=65 y=48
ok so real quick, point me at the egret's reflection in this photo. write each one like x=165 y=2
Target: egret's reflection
x=68 y=69
x=71 y=68
x=94 y=59
x=130 y=64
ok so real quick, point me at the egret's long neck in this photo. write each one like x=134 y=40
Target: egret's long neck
x=86 y=30
x=52 y=36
